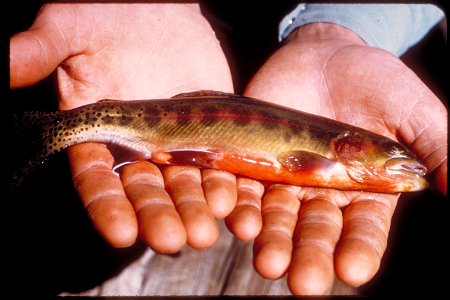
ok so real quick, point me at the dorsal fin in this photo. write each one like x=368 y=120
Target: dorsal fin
x=109 y=100
x=205 y=93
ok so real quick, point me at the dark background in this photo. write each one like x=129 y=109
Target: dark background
x=50 y=246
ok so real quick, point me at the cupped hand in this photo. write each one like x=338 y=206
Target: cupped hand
x=312 y=234
x=132 y=51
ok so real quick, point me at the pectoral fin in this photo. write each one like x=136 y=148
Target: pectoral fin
x=304 y=161
x=197 y=158
x=358 y=172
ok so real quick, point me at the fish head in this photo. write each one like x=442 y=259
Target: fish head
x=379 y=161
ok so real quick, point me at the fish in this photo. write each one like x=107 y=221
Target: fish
x=234 y=133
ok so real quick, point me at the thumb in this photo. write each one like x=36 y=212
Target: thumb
x=35 y=53
x=426 y=132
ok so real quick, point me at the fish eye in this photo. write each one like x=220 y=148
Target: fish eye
x=396 y=151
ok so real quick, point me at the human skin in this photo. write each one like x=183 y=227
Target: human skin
x=105 y=51
x=312 y=234
x=132 y=51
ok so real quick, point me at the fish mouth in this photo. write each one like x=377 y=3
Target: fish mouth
x=407 y=166
x=409 y=172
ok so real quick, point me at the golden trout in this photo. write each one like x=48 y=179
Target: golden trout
x=241 y=135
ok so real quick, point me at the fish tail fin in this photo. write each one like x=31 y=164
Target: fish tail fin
x=33 y=138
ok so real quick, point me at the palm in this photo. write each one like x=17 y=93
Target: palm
x=132 y=54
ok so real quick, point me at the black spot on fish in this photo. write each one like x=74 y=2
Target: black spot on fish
x=124 y=120
x=70 y=123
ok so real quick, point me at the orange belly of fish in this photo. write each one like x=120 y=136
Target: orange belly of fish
x=262 y=169
x=331 y=175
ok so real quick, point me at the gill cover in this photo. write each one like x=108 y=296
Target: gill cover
x=359 y=154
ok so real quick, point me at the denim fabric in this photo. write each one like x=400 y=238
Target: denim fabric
x=393 y=27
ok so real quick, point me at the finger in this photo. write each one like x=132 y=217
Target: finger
x=36 y=53
x=364 y=237
x=428 y=141
x=220 y=191
x=160 y=226
x=102 y=194
x=184 y=187
x=245 y=221
x=424 y=128
x=315 y=238
x=273 y=247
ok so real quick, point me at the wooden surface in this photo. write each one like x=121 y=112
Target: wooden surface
x=225 y=269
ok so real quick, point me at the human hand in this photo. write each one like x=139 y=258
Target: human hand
x=312 y=233
x=132 y=51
